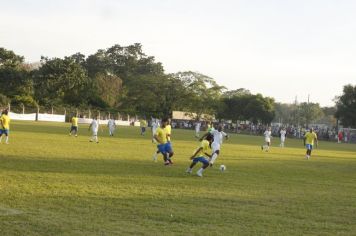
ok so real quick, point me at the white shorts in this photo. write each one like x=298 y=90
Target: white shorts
x=267 y=140
x=94 y=132
x=215 y=147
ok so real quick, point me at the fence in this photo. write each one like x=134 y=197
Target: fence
x=65 y=114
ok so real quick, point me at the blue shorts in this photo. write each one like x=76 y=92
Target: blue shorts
x=169 y=147
x=201 y=159
x=4 y=131
x=163 y=148
x=309 y=146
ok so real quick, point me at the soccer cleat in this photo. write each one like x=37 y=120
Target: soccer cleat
x=170 y=161
x=166 y=163
x=199 y=173
x=189 y=171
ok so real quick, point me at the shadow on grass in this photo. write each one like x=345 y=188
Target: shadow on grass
x=91 y=167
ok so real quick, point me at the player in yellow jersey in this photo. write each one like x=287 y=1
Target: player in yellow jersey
x=201 y=155
x=169 y=143
x=169 y=149
x=143 y=125
x=162 y=139
x=309 y=138
x=5 y=126
x=74 y=127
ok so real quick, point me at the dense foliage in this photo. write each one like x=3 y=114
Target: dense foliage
x=346 y=106
x=125 y=79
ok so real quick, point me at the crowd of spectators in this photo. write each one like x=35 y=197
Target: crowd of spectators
x=323 y=132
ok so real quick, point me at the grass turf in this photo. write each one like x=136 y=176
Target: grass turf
x=53 y=184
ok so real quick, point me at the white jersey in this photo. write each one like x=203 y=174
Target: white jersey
x=111 y=123
x=94 y=126
x=283 y=134
x=218 y=136
x=268 y=135
x=197 y=126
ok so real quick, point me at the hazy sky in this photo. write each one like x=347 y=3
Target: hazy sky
x=280 y=48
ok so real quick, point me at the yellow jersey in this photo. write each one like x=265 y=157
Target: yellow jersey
x=310 y=137
x=5 y=121
x=205 y=148
x=143 y=123
x=75 y=121
x=168 y=129
x=161 y=135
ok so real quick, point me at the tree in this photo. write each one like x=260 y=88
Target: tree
x=61 y=81
x=346 y=106
x=242 y=105
x=309 y=112
x=15 y=78
x=202 y=94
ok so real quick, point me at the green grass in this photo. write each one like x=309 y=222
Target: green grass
x=53 y=184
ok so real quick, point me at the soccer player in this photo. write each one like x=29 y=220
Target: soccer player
x=74 y=127
x=111 y=126
x=197 y=129
x=268 y=136
x=283 y=134
x=5 y=126
x=201 y=154
x=94 y=127
x=155 y=125
x=161 y=138
x=169 y=143
x=309 y=139
x=218 y=135
x=143 y=125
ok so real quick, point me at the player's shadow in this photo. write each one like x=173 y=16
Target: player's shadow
x=98 y=167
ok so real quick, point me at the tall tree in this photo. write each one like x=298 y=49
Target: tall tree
x=61 y=81
x=202 y=93
x=346 y=106
x=310 y=112
x=15 y=78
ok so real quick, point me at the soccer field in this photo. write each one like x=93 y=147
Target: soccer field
x=53 y=184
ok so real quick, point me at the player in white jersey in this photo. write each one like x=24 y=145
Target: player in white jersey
x=268 y=136
x=197 y=129
x=111 y=126
x=94 y=127
x=219 y=135
x=283 y=134
x=155 y=124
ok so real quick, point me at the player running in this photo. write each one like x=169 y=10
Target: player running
x=283 y=134
x=94 y=127
x=309 y=139
x=5 y=126
x=218 y=135
x=197 y=129
x=201 y=154
x=161 y=138
x=154 y=125
x=268 y=137
x=74 y=126
x=111 y=126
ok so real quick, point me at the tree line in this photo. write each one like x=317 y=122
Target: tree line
x=124 y=78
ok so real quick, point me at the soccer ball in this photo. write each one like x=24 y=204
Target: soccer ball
x=222 y=168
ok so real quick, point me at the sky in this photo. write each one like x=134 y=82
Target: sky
x=285 y=49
